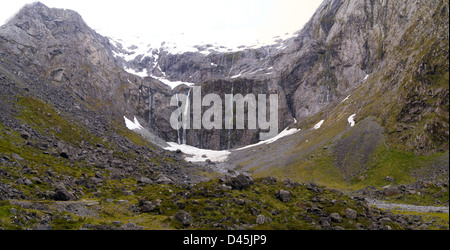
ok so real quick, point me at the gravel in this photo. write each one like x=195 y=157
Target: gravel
x=404 y=207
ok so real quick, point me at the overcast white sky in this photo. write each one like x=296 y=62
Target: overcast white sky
x=222 y=21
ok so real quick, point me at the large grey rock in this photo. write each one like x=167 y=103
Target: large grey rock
x=183 y=217
x=164 y=180
x=335 y=217
x=146 y=206
x=240 y=182
x=351 y=214
x=61 y=194
x=283 y=195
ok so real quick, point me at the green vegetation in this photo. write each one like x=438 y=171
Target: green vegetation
x=46 y=120
x=16 y=148
x=437 y=221
x=132 y=136
x=209 y=205
x=40 y=156
x=6 y=216
x=431 y=195
x=43 y=118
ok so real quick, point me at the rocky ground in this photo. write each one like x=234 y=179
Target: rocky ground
x=225 y=203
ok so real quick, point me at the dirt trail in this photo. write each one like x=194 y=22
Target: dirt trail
x=390 y=206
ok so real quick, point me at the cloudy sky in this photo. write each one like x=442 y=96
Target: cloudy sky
x=222 y=21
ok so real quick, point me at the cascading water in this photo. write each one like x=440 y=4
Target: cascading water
x=186 y=115
x=184 y=118
x=178 y=128
x=230 y=121
x=150 y=101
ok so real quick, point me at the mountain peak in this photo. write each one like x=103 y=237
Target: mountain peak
x=37 y=4
x=39 y=11
x=34 y=7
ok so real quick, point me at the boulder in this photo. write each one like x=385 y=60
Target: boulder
x=391 y=192
x=61 y=194
x=64 y=153
x=261 y=220
x=240 y=182
x=335 y=217
x=164 y=180
x=351 y=214
x=183 y=217
x=283 y=195
x=145 y=180
x=25 y=135
x=146 y=206
x=325 y=223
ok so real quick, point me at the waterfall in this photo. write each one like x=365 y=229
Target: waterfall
x=186 y=116
x=178 y=128
x=150 y=101
x=230 y=122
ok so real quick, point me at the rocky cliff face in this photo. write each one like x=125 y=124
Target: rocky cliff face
x=347 y=41
x=241 y=72
x=345 y=44
x=384 y=64
x=59 y=47
x=63 y=98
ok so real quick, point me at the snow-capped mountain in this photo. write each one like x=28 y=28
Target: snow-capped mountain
x=144 y=58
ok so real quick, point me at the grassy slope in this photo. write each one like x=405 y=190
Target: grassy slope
x=318 y=165
x=407 y=95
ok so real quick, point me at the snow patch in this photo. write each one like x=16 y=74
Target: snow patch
x=202 y=155
x=134 y=72
x=198 y=155
x=132 y=125
x=284 y=133
x=318 y=125
x=345 y=99
x=173 y=84
x=351 y=120
x=365 y=78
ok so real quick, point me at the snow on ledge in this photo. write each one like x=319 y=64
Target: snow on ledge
x=318 y=125
x=132 y=125
x=284 y=133
x=365 y=78
x=345 y=99
x=134 y=72
x=173 y=84
x=351 y=120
